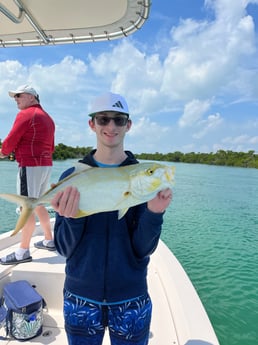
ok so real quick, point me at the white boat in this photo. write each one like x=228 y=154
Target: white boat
x=179 y=317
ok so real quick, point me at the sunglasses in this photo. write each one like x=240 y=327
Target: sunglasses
x=119 y=121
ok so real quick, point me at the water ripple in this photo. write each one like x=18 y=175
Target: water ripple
x=212 y=228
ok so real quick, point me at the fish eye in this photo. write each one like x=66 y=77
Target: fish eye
x=150 y=171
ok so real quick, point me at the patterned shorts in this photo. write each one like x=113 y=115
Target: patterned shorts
x=128 y=322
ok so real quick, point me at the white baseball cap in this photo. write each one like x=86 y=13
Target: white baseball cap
x=109 y=102
x=24 y=89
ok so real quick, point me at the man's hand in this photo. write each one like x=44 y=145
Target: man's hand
x=161 y=201
x=66 y=202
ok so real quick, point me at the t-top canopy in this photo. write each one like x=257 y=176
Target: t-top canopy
x=42 y=22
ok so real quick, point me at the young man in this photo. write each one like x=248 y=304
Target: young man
x=107 y=258
x=32 y=140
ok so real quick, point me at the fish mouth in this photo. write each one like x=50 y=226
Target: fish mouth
x=169 y=174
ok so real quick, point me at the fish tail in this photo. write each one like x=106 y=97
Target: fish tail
x=24 y=216
x=28 y=205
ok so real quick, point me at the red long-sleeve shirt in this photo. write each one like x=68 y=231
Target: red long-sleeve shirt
x=31 y=137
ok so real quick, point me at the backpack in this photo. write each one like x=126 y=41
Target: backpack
x=21 y=311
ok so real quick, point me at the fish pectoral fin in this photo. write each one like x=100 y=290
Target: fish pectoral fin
x=122 y=212
x=81 y=214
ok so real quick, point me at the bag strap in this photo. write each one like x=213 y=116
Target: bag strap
x=3 y=312
x=3 y=320
x=5 y=317
x=44 y=303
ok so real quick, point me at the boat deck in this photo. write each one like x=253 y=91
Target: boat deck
x=178 y=315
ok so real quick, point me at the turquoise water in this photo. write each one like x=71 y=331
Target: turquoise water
x=212 y=228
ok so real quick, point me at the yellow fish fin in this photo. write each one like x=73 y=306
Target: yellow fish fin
x=121 y=213
x=79 y=167
x=81 y=214
x=28 y=205
x=26 y=212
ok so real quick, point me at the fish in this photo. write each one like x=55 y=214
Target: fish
x=103 y=189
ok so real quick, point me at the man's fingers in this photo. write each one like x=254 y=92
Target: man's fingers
x=66 y=202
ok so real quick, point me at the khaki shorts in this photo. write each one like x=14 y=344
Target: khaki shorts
x=33 y=181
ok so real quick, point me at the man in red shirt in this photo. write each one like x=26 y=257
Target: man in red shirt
x=32 y=140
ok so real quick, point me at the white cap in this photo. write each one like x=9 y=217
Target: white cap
x=24 y=89
x=109 y=102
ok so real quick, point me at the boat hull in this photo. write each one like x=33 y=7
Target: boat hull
x=179 y=317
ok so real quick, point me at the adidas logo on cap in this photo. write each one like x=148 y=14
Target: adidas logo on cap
x=118 y=105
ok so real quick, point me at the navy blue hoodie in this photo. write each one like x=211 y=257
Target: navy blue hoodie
x=107 y=258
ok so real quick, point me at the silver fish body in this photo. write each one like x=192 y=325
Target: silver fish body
x=104 y=189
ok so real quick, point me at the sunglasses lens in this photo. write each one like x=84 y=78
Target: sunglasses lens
x=104 y=120
x=120 y=120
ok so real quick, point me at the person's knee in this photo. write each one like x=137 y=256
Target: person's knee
x=40 y=210
x=131 y=323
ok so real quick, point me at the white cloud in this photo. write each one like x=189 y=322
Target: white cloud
x=134 y=74
x=148 y=136
x=178 y=101
x=193 y=112
x=208 y=125
x=206 y=57
x=242 y=139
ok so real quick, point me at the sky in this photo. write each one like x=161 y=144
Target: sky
x=189 y=75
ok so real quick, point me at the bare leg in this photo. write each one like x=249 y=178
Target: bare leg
x=27 y=232
x=29 y=227
x=44 y=220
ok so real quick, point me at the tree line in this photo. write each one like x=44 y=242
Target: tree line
x=224 y=158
